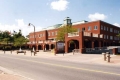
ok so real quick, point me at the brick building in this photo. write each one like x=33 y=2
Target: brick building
x=89 y=35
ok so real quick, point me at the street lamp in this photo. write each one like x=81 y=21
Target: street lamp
x=34 y=37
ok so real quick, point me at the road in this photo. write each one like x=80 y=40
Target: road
x=50 y=69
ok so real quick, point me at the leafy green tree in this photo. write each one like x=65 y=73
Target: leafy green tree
x=16 y=38
x=5 y=37
x=64 y=30
x=20 y=41
x=118 y=34
x=5 y=40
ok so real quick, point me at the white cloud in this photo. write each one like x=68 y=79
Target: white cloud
x=116 y=24
x=97 y=16
x=59 y=5
x=20 y=25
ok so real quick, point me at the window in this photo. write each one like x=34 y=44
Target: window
x=101 y=27
x=43 y=35
x=107 y=28
x=104 y=28
x=89 y=28
x=114 y=31
x=107 y=36
x=114 y=38
x=39 y=35
x=111 y=30
x=95 y=27
x=49 y=34
x=111 y=37
x=117 y=31
x=117 y=38
x=55 y=32
x=104 y=36
x=83 y=29
x=52 y=33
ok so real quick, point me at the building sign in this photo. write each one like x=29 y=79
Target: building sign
x=60 y=46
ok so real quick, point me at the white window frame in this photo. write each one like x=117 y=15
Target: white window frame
x=104 y=28
x=89 y=28
x=111 y=30
x=52 y=33
x=111 y=37
x=107 y=28
x=43 y=34
x=104 y=36
x=101 y=27
x=48 y=33
x=114 y=31
x=55 y=32
x=95 y=27
x=107 y=36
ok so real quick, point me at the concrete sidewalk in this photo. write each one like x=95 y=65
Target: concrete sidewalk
x=9 y=75
x=6 y=76
x=77 y=57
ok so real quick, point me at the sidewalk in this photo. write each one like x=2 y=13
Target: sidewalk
x=7 y=75
x=77 y=57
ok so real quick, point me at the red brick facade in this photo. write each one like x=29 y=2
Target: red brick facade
x=89 y=35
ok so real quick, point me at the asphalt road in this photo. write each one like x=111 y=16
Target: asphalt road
x=49 y=69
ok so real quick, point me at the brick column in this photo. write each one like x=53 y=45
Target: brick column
x=115 y=51
x=81 y=42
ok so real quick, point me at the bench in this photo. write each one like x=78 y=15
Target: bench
x=21 y=52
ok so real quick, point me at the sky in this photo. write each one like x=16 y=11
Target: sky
x=17 y=14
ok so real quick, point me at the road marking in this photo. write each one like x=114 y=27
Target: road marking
x=70 y=67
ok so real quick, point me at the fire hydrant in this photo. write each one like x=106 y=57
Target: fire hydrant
x=108 y=57
x=104 y=55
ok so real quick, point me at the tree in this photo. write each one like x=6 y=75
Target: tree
x=64 y=30
x=19 y=41
x=118 y=35
x=5 y=37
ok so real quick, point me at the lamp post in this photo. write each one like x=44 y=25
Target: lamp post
x=34 y=37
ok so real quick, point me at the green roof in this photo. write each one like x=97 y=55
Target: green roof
x=53 y=27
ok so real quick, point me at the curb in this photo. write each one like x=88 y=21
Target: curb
x=4 y=70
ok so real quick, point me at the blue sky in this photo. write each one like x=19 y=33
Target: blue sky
x=16 y=14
